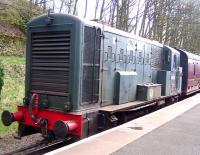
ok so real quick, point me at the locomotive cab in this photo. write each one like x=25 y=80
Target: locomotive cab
x=171 y=74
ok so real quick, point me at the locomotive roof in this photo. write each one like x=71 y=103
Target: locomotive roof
x=120 y=32
x=172 y=49
x=93 y=23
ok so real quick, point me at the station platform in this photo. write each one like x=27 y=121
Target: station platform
x=173 y=130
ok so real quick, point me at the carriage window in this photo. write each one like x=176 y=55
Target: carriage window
x=109 y=52
x=121 y=55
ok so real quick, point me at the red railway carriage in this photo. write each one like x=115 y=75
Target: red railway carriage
x=191 y=71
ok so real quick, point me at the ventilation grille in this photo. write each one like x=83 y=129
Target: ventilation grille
x=91 y=65
x=50 y=59
x=156 y=57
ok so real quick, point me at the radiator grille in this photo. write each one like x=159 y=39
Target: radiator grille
x=50 y=59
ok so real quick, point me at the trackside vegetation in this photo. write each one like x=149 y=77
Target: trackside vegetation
x=1 y=76
x=12 y=93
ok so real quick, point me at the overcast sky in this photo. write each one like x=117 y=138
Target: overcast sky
x=81 y=8
x=91 y=8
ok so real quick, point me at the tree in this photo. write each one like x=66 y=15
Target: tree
x=18 y=12
x=86 y=4
x=68 y=6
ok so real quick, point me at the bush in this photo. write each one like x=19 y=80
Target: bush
x=1 y=76
x=11 y=46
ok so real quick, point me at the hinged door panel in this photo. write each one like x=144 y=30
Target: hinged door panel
x=108 y=69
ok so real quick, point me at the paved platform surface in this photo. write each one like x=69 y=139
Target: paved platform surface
x=180 y=136
x=171 y=130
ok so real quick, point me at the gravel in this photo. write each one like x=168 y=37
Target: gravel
x=9 y=143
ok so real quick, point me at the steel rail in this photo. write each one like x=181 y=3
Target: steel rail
x=41 y=147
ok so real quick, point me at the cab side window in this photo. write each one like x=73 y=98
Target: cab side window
x=166 y=56
x=176 y=62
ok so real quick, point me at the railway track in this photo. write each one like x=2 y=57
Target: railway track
x=40 y=147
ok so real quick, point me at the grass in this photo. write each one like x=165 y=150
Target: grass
x=12 y=60
x=13 y=90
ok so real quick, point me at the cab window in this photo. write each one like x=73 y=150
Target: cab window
x=175 y=62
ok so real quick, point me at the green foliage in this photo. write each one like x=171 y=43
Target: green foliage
x=12 y=60
x=13 y=66
x=1 y=76
x=12 y=46
x=13 y=88
x=18 y=12
x=11 y=96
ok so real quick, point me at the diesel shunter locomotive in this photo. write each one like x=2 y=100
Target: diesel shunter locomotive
x=83 y=77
